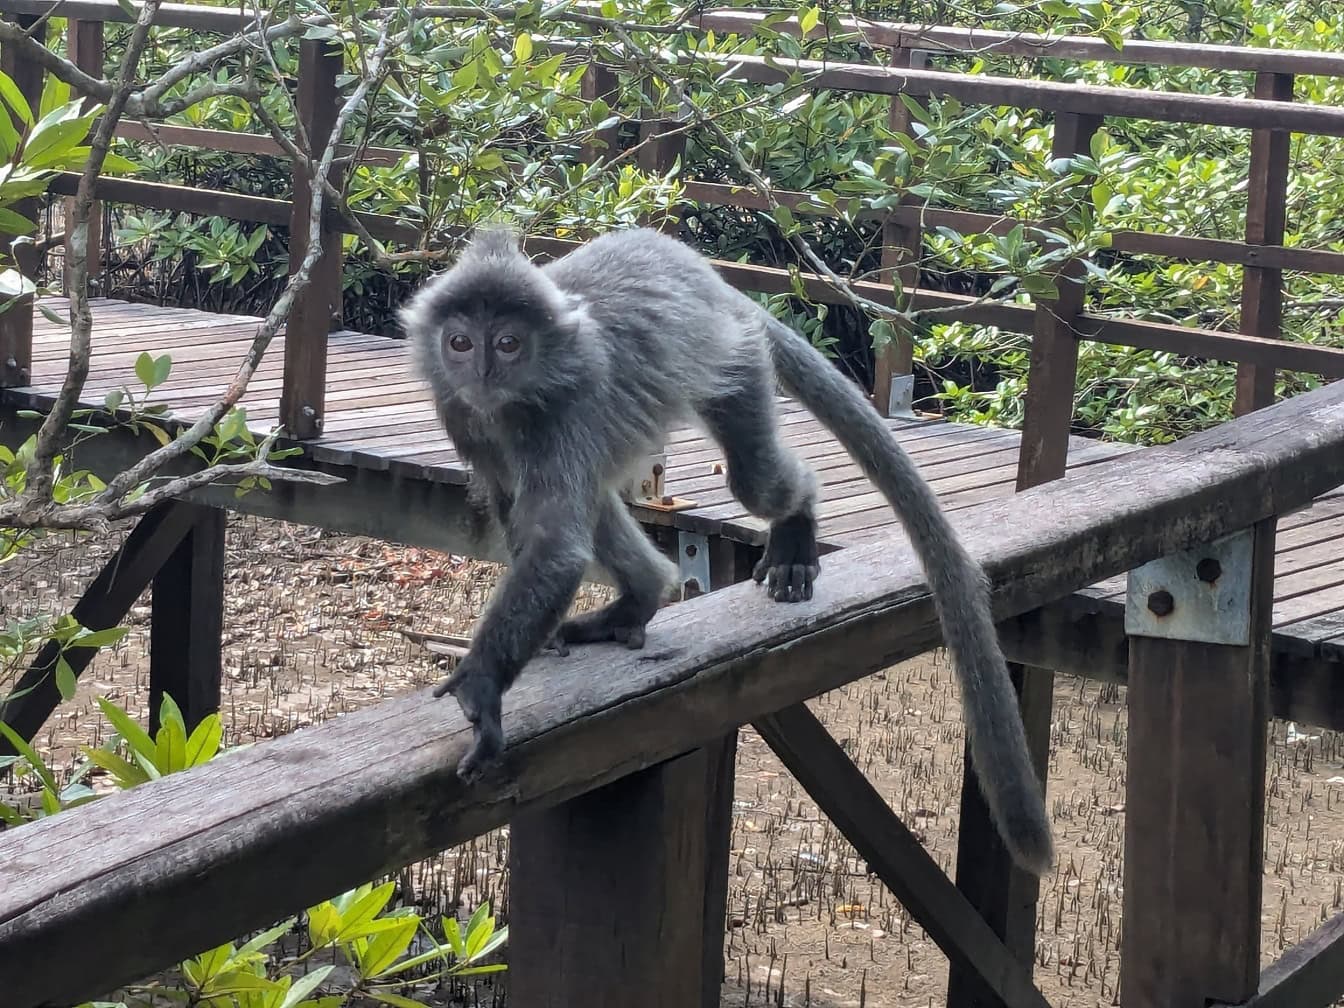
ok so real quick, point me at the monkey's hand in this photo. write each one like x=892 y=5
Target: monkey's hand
x=478 y=693
x=790 y=563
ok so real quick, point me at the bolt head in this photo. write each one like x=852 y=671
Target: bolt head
x=1160 y=603
x=691 y=550
x=1208 y=570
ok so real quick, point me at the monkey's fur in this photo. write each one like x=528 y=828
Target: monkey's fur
x=553 y=381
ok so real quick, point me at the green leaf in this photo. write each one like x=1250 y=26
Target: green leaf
x=50 y=314
x=362 y=912
x=127 y=775
x=260 y=941
x=396 y=1000
x=160 y=435
x=55 y=95
x=522 y=47
x=136 y=737
x=784 y=218
x=66 y=682
x=384 y=949
x=304 y=986
x=14 y=98
x=809 y=19
x=204 y=740
x=30 y=754
x=100 y=638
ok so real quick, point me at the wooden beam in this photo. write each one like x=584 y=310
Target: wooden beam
x=1194 y=849
x=103 y=605
x=630 y=848
x=1308 y=975
x=317 y=308
x=84 y=40
x=244 y=834
x=895 y=855
x=187 y=621
x=16 y=320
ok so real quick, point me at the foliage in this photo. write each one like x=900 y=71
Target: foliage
x=389 y=951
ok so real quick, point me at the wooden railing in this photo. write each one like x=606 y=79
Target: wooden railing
x=598 y=740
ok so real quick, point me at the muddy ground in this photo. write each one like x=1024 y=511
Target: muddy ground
x=312 y=629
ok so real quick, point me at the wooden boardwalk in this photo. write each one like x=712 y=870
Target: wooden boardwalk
x=378 y=419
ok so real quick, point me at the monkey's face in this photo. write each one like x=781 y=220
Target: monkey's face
x=487 y=360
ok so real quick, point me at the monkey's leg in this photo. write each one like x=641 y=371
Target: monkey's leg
x=770 y=481
x=643 y=576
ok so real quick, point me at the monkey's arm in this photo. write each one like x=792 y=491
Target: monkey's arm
x=552 y=528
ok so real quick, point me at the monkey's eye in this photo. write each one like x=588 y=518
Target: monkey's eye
x=460 y=342
x=508 y=345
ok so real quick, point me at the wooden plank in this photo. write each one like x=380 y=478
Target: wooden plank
x=895 y=855
x=176 y=15
x=234 y=142
x=102 y=606
x=1262 y=288
x=186 y=199
x=187 y=621
x=242 y=833
x=84 y=48
x=317 y=308
x=16 y=321
x=1308 y=975
x=628 y=847
x=1194 y=854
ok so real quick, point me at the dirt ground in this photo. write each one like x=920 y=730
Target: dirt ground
x=312 y=630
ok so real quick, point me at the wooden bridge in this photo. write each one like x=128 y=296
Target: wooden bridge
x=1080 y=538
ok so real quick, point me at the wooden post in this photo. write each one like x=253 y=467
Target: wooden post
x=902 y=244
x=187 y=621
x=658 y=153
x=1261 y=288
x=85 y=42
x=604 y=907
x=600 y=81
x=1194 y=794
x=317 y=309
x=16 y=321
x=1005 y=895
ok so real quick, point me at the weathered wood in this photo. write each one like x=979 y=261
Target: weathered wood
x=84 y=42
x=234 y=142
x=895 y=855
x=317 y=309
x=600 y=81
x=1194 y=853
x=16 y=321
x=1267 y=200
x=187 y=621
x=1308 y=975
x=102 y=606
x=630 y=849
x=187 y=199
x=175 y=15
x=984 y=41
x=244 y=833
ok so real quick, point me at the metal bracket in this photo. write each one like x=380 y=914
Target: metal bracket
x=1201 y=594
x=901 y=397
x=693 y=563
x=646 y=486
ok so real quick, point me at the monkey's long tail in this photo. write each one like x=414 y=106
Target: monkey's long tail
x=960 y=593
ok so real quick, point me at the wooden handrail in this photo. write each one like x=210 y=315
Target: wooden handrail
x=248 y=833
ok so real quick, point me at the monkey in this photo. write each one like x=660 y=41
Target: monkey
x=553 y=380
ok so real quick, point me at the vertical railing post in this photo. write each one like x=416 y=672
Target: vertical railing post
x=1198 y=708
x=1262 y=288
x=187 y=621
x=600 y=81
x=16 y=321
x=902 y=245
x=605 y=905
x=317 y=309
x=85 y=42
x=1003 y=894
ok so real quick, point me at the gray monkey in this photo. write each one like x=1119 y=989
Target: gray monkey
x=553 y=381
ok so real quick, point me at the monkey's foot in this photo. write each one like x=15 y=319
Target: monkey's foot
x=790 y=564
x=478 y=694
x=623 y=620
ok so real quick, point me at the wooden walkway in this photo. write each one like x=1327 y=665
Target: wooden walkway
x=379 y=420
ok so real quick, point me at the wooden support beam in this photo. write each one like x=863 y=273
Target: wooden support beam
x=102 y=606
x=245 y=833
x=16 y=321
x=986 y=873
x=1267 y=199
x=603 y=910
x=1308 y=975
x=600 y=82
x=895 y=854
x=84 y=40
x=317 y=309
x=187 y=621
x=1198 y=713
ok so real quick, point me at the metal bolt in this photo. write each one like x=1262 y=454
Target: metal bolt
x=667 y=502
x=657 y=469
x=10 y=362
x=1160 y=603
x=1208 y=570
x=309 y=412
x=691 y=550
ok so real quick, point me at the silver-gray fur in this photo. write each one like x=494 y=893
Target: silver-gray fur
x=552 y=381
